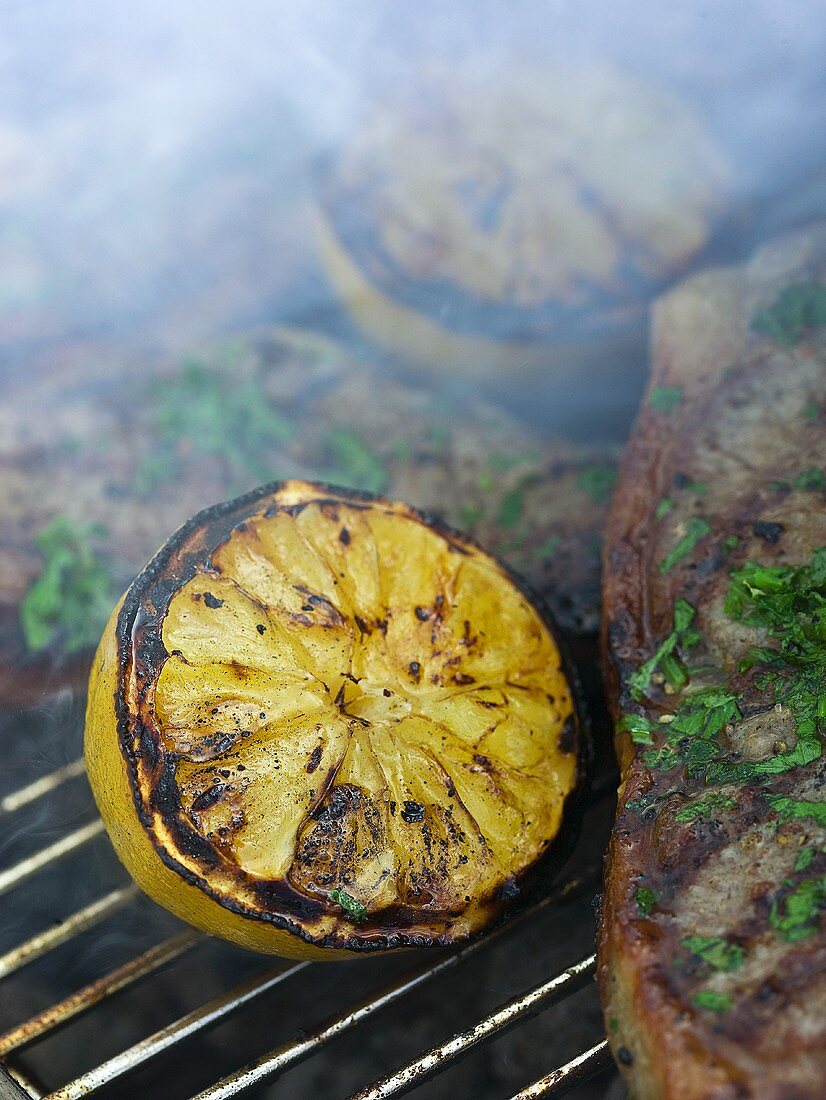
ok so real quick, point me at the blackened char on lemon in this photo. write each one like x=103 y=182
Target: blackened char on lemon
x=152 y=768
x=712 y=956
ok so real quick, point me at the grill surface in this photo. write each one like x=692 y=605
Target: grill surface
x=26 y=1073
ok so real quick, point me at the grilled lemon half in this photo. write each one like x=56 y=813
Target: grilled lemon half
x=320 y=723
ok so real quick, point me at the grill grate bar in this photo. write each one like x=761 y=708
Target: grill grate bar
x=29 y=866
x=78 y=922
x=81 y=1001
x=291 y=1053
x=205 y=1016
x=509 y=1015
x=22 y=797
x=561 y=1080
x=30 y=1089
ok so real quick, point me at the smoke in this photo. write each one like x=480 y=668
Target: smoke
x=155 y=158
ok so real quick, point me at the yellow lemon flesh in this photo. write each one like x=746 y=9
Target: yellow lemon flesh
x=318 y=723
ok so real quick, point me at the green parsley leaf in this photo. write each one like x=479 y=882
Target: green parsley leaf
x=812 y=480
x=705 y=807
x=646 y=899
x=665 y=398
x=355 y=465
x=792 y=809
x=511 y=508
x=598 y=481
x=548 y=548
x=683 y=616
x=470 y=514
x=663 y=508
x=804 y=860
x=214 y=413
x=794 y=919
x=70 y=601
x=639 y=727
x=716 y=951
x=797 y=308
x=354 y=909
x=696 y=528
x=717 y=1002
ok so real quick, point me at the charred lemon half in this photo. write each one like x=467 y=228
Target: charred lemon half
x=320 y=723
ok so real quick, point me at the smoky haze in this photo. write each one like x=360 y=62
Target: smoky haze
x=156 y=158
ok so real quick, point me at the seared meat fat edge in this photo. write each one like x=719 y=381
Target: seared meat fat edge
x=712 y=952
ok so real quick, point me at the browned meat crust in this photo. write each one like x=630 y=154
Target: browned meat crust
x=135 y=456
x=712 y=957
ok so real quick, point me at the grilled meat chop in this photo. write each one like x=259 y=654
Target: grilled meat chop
x=94 y=477
x=712 y=954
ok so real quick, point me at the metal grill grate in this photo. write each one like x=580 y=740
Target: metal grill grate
x=15 y=1082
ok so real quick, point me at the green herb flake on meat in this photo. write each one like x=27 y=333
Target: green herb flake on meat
x=796 y=310
x=716 y=951
x=805 y=858
x=793 y=809
x=682 y=634
x=696 y=528
x=716 y=1002
x=598 y=481
x=355 y=466
x=812 y=480
x=705 y=807
x=665 y=398
x=646 y=899
x=795 y=918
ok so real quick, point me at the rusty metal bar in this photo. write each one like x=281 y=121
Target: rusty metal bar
x=22 y=797
x=75 y=1004
x=289 y=1054
x=561 y=1080
x=16 y=874
x=509 y=1015
x=72 y=926
x=198 y=1020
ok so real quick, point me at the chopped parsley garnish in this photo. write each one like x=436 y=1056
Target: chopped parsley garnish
x=212 y=412
x=706 y=806
x=805 y=858
x=696 y=528
x=663 y=508
x=796 y=309
x=792 y=809
x=511 y=508
x=354 y=464
x=548 y=548
x=664 y=659
x=716 y=951
x=639 y=727
x=665 y=398
x=717 y=1002
x=70 y=601
x=795 y=918
x=598 y=481
x=354 y=909
x=730 y=544
x=646 y=899
x=470 y=514
x=812 y=480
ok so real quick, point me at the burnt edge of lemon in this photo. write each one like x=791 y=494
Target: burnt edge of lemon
x=349 y=216
x=217 y=523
